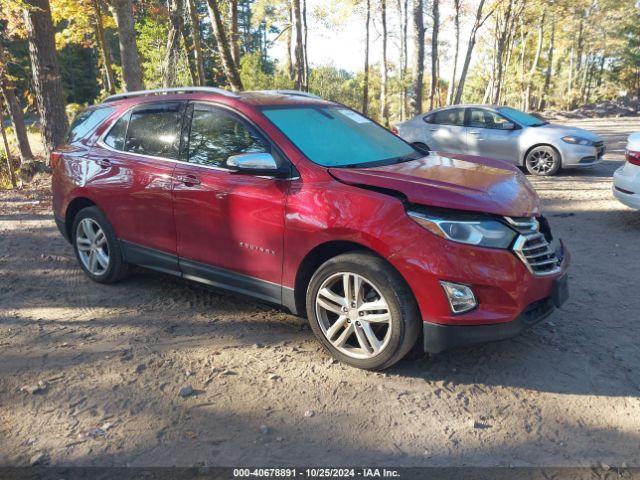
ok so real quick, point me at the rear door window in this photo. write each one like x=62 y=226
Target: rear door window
x=86 y=122
x=452 y=116
x=154 y=130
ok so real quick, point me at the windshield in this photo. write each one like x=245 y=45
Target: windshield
x=521 y=117
x=334 y=136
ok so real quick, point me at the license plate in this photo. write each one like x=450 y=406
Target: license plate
x=560 y=291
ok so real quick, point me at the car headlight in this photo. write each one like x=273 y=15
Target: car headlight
x=575 y=140
x=481 y=231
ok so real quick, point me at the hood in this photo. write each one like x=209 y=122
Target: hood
x=460 y=182
x=563 y=130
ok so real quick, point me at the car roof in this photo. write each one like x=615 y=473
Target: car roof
x=255 y=98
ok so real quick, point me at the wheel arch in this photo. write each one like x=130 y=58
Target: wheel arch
x=540 y=144
x=72 y=210
x=320 y=254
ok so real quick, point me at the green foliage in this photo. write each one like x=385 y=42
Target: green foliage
x=79 y=73
x=260 y=74
x=152 y=46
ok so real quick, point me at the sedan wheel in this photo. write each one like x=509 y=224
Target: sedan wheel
x=353 y=315
x=543 y=161
x=92 y=246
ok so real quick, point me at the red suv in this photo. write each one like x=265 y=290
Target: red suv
x=309 y=205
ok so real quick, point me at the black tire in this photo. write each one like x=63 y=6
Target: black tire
x=117 y=269
x=543 y=161
x=423 y=147
x=405 y=318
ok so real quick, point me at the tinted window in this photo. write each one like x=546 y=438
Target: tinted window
x=155 y=130
x=481 y=118
x=216 y=135
x=454 y=116
x=338 y=137
x=116 y=136
x=85 y=122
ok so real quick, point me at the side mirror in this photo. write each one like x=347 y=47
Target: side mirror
x=508 y=126
x=262 y=164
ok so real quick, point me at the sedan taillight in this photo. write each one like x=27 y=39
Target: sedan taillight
x=633 y=157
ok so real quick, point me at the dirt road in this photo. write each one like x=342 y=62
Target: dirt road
x=113 y=359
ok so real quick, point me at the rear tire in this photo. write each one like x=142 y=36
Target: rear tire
x=374 y=327
x=543 y=161
x=97 y=248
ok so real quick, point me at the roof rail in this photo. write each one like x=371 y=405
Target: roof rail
x=166 y=91
x=297 y=93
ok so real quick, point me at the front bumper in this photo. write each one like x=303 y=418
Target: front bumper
x=577 y=156
x=439 y=338
x=626 y=185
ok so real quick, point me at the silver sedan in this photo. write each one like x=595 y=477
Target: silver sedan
x=504 y=133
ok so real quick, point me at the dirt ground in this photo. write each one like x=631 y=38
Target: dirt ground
x=112 y=360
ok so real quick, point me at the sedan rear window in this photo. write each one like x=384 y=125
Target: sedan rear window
x=334 y=136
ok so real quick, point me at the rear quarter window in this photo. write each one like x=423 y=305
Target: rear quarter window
x=86 y=122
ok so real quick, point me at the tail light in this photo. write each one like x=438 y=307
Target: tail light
x=394 y=130
x=55 y=159
x=633 y=157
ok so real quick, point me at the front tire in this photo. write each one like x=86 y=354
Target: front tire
x=543 y=161
x=97 y=248
x=362 y=311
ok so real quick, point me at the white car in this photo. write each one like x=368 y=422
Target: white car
x=626 y=180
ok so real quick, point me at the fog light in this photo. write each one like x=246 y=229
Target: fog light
x=461 y=298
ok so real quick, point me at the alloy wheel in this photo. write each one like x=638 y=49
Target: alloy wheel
x=353 y=315
x=541 y=161
x=92 y=246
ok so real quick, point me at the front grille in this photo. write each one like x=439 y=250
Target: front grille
x=598 y=144
x=532 y=246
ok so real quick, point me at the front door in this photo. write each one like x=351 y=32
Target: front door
x=486 y=136
x=229 y=226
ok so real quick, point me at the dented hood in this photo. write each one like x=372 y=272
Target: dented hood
x=460 y=182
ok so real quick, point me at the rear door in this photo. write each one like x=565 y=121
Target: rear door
x=133 y=167
x=229 y=226
x=486 y=136
x=446 y=130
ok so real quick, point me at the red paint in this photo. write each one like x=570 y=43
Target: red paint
x=265 y=227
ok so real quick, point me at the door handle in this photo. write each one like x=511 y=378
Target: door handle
x=474 y=133
x=188 y=179
x=103 y=162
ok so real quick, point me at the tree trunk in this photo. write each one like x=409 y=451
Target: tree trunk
x=434 y=53
x=103 y=47
x=503 y=36
x=384 y=107
x=467 y=59
x=131 y=74
x=405 y=57
x=534 y=65
x=234 y=37
x=15 y=111
x=46 y=73
x=365 y=87
x=452 y=80
x=418 y=57
x=228 y=65
x=547 y=75
x=304 y=43
x=12 y=174
x=289 y=58
x=187 y=40
x=176 y=25
x=402 y=93
x=299 y=49
x=197 y=42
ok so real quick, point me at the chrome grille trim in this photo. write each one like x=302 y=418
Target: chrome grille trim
x=532 y=247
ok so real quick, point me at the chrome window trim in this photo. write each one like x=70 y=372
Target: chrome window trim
x=101 y=143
